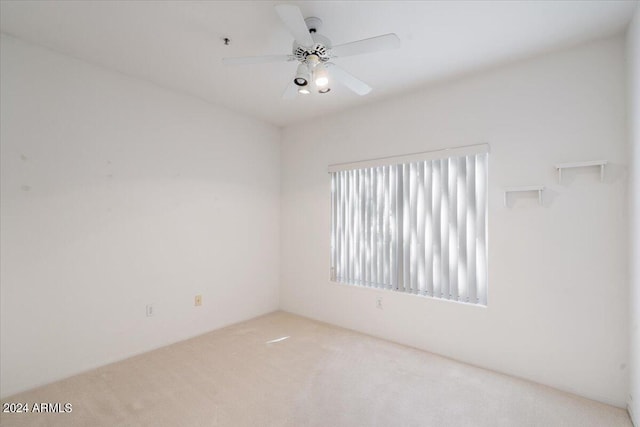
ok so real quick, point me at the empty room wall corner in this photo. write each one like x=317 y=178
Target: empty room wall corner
x=633 y=62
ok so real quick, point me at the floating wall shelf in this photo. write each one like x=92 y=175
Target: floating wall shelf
x=600 y=163
x=538 y=188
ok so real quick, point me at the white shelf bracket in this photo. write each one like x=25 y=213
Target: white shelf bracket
x=600 y=163
x=538 y=188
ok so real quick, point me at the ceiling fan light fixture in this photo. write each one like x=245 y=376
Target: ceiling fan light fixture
x=322 y=81
x=302 y=75
x=320 y=75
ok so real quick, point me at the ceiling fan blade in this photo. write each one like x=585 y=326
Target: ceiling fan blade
x=374 y=44
x=294 y=21
x=244 y=60
x=291 y=91
x=351 y=82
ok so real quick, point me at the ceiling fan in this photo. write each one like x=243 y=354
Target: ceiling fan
x=314 y=53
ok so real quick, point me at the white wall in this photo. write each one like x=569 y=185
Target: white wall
x=633 y=61
x=558 y=310
x=115 y=194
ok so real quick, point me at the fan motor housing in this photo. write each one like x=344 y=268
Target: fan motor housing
x=321 y=48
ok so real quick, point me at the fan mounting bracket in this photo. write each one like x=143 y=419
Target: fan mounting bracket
x=313 y=24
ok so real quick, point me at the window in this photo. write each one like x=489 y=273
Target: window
x=415 y=224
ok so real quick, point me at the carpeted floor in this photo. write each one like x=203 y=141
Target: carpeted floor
x=319 y=376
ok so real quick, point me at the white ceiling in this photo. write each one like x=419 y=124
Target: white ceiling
x=178 y=44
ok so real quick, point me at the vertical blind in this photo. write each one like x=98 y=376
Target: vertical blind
x=416 y=224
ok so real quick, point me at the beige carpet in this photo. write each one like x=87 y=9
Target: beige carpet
x=319 y=376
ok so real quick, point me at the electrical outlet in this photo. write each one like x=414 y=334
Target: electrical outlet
x=150 y=310
x=379 y=303
x=198 y=300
